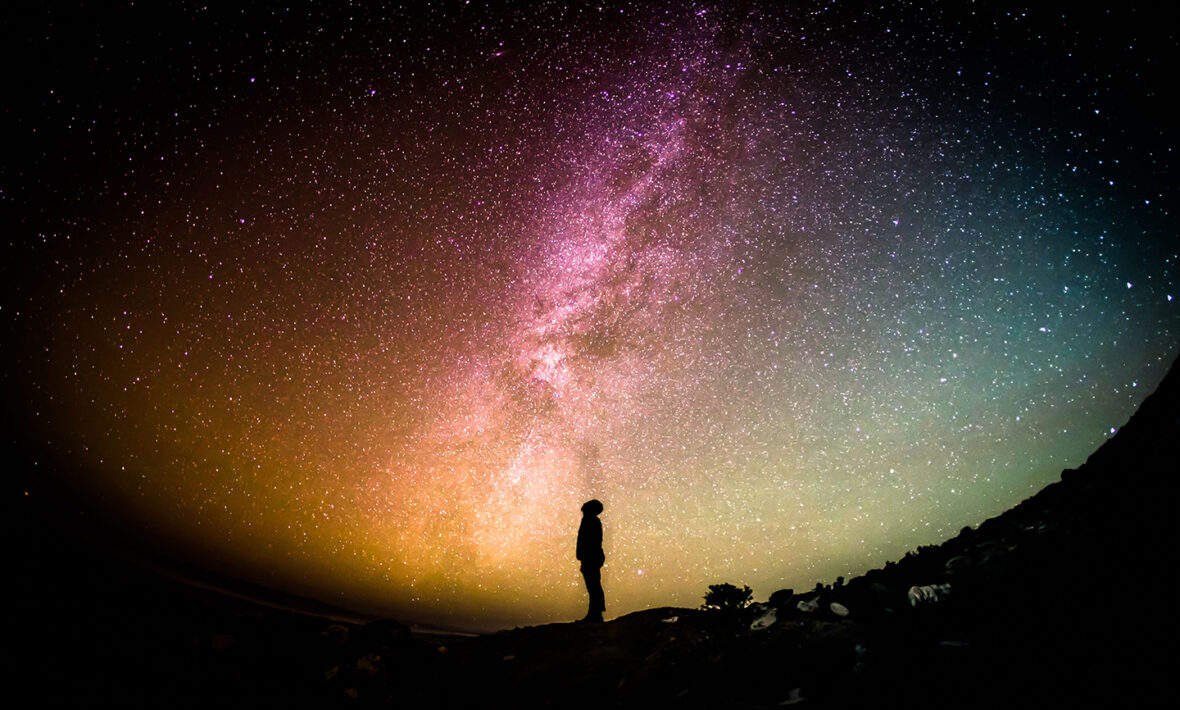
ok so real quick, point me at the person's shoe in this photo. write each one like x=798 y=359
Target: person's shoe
x=590 y=619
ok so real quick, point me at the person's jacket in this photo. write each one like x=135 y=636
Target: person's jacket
x=590 y=541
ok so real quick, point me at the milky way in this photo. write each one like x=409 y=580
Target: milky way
x=364 y=303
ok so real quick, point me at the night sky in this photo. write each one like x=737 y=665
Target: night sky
x=364 y=302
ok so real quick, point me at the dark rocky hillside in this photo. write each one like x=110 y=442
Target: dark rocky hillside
x=1064 y=600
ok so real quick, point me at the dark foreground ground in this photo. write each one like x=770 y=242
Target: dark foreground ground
x=1063 y=601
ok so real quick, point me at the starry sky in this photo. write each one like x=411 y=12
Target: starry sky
x=363 y=301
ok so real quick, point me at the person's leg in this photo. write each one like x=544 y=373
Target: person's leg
x=593 y=577
x=597 y=597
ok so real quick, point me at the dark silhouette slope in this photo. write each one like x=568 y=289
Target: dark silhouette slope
x=1066 y=599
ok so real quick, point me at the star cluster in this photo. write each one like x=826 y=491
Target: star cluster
x=365 y=301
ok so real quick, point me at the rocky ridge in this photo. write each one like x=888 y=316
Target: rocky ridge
x=1064 y=599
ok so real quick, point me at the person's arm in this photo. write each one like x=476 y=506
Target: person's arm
x=598 y=541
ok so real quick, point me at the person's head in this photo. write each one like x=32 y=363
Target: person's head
x=591 y=507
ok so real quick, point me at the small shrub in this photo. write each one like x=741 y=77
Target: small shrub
x=727 y=597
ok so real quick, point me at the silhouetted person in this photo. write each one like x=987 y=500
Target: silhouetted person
x=590 y=554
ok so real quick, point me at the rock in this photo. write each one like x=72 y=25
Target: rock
x=781 y=598
x=928 y=594
x=956 y=564
x=337 y=633
x=765 y=621
x=794 y=697
x=368 y=664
